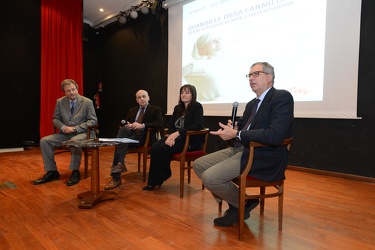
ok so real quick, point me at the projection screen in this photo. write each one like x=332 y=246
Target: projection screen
x=312 y=44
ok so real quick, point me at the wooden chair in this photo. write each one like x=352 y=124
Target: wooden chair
x=188 y=156
x=86 y=151
x=143 y=151
x=244 y=181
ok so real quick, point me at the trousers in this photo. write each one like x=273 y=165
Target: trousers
x=50 y=142
x=216 y=170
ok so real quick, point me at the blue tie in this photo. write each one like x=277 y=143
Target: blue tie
x=72 y=108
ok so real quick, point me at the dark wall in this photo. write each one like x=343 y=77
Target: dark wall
x=20 y=72
x=128 y=58
x=133 y=56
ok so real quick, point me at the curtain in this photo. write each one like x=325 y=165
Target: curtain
x=61 y=54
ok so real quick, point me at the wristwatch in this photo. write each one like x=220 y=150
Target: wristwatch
x=238 y=134
x=74 y=129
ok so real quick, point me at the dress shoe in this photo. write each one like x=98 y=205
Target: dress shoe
x=49 y=176
x=119 y=168
x=229 y=218
x=113 y=184
x=74 y=179
x=150 y=187
x=251 y=204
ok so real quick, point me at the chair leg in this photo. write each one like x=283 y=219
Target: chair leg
x=189 y=171
x=139 y=162
x=144 y=166
x=281 y=206
x=182 y=173
x=241 y=211
x=262 y=193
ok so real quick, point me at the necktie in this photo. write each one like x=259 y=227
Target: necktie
x=72 y=108
x=253 y=112
x=139 y=120
x=237 y=142
x=140 y=116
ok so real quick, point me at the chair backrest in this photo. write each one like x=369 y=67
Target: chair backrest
x=148 y=136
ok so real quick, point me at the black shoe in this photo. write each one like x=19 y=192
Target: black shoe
x=230 y=217
x=149 y=187
x=74 y=179
x=49 y=176
x=250 y=205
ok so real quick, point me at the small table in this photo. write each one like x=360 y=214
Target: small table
x=90 y=198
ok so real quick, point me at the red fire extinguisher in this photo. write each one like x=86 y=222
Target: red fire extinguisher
x=97 y=100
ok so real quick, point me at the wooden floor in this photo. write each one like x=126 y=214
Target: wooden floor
x=320 y=212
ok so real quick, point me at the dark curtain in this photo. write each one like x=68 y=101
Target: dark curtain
x=61 y=54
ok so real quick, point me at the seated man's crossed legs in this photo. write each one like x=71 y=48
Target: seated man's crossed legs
x=216 y=170
x=118 y=165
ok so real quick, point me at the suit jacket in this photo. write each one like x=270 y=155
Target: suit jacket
x=272 y=123
x=193 y=121
x=84 y=114
x=152 y=118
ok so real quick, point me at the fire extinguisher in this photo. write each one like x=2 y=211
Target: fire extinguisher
x=97 y=100
x=97 y=96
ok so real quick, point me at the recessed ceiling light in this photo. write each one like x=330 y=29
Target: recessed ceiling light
x=101 y=10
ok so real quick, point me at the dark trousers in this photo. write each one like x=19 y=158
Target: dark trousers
x=161 y=155
x=120 y=149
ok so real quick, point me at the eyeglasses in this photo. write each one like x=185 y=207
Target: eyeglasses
x=255 y=74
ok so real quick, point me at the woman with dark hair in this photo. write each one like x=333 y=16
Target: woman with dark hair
x=187 y=115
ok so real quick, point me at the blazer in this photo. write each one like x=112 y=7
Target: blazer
x=84 y=114
x=152 y=118
x=272 y=123
x=193 y=121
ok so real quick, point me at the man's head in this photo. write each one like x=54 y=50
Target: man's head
x=70 y=88
x=261 y=77
x=142 y=98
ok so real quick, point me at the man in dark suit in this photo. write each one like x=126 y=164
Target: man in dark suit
x=270 y=123
x=138 y=120
x=72 y=116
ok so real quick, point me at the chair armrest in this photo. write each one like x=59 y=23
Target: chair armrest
x=189 y=133
x=89 y=128
x=252 y=146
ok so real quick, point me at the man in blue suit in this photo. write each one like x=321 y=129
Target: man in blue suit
x=267 y=119
x=72 y=116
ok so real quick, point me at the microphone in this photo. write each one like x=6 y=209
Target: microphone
x=123 y=123
x=234 y=112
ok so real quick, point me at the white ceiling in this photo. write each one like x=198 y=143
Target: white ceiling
x=94 y=17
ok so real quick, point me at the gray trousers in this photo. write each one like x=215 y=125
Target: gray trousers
x=50 y=142
x=216 y=170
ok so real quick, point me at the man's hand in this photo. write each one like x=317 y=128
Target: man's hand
x=68 y=130
x=134 y=125
x=226 y=132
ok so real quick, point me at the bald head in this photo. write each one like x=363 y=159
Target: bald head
x=142 y=97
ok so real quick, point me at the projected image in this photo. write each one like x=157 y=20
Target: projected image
x=221 y=39
x=205 y=72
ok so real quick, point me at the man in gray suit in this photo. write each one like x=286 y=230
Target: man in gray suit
x=72 y=116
